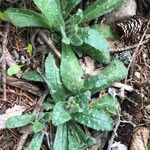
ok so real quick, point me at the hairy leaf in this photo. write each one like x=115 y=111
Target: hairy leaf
x=99 y=8
x=68 y=5
x=95 y=119
x=61 y=140
x=106 y=103
x=37 y=126
x=51 y=9
x=19 y=121
x=105 y=31
x=36 y=142
x=25 y=18
x=33 y=76
x=60 y=116
x=53 y=78
x=114 y=72
x=79 y=102
x=71 y=72
x=77 y=138
x=94 y=44
x=72 y=28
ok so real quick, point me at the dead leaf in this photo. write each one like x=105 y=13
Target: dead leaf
x=140 y=139
x=118 y=146
x=89 y=67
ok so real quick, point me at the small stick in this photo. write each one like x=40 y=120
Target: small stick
x=24 y=85
x=50 y=44
x=4 y=47
x=24 y=137
x=129 y=47
x=114 y=134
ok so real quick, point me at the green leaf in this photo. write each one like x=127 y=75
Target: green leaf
x=1 y=16
x=37 y=126
x=19 y=121
x=75 y=19
x=106 y=103
x=53 y=78
x=95 y=119
x=105 y=30
x=13 y=69
x=61 y=139
x=47 y=116
x=94 y=44
x=79 y=102
x=71 y=72
x=29 y=49
x=114 y=72
x=36 y=142
x=60 y=116
x=25 y=18
x=33 y=76
x=72 y=28
x=77 y=138
x=52 y=11
x=47 y=106
x=68 y=5
x=99 y=8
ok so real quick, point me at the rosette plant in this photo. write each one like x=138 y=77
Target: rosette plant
x=68 y=104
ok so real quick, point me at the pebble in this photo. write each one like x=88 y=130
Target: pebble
x=127 y=9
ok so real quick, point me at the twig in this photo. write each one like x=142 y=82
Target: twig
x=124 y=86
x=4 y=47
x=24 y=137
x=50 y=44
x=129 y=47
x=24 y=85
x=114 y=134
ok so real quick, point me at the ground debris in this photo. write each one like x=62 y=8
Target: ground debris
x=140 y=139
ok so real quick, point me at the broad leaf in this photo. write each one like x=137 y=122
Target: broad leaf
x=71 y=72
x=38 y=126
x=61 y=139
x=48 y=116
x=75 y=19
x=99 y=8
x=68 y=5
x=72 y=28
x=19 y=121
x=106 y=103
x=77 y=138
x=79 y=102
x=105 y=30
x=30 y=49
x=94 y=44
x=25 y=18
x=36 y=142
x=51 y=9
x=95 y=119
x=33 y=76
x=13 y=69
x=60 y=116
x=53 y=79
x=114 y=72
